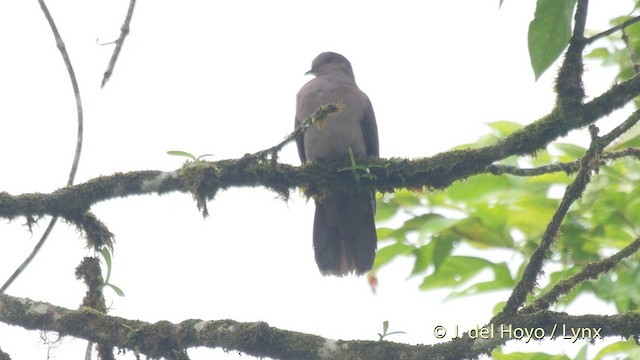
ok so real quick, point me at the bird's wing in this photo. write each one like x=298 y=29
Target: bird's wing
x=300 y=141
x=370 y=130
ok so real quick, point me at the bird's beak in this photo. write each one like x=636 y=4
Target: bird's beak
x=310 y=72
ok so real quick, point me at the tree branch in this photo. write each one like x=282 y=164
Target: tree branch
x=79 y=137
x=124 y=31
x=164 y=339
x=589 y=271
x=589 y=163
x=613 y=29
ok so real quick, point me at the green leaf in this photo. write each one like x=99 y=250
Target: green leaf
x=485 y=140
x=385 y=328
x=497 y=308
x=582 y=354
x=107 y=260
x=388 y=253
x=431 y=223
x=386 y=233
x=499 y=355
x=203 y=156
x=443 y=246
x=504 y=128
x=116 y=289
x=478 y=188
x=456 y=270
x=385 y=211
x=424 y=257
x=502 y=280
x=181 y=153
x=573 y=151
x=406 y=199
x=486 y=228
x=107 y=256
x=627 y=347
x=598 y=53
x=549 y=33
x=630 y=138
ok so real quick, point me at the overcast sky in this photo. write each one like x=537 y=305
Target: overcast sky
x=221 y=78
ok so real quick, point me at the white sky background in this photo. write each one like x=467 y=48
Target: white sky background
x=221 y=78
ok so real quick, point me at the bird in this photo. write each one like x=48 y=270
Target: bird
x=344 y=231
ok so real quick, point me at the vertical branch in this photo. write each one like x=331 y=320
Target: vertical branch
x=580 y=20
x=570 y=94
x=588 y=163
x=76 y=157
x=76 y=90
x=89 y=271
x=534 y=267
x=124 y=31
x=569 y=82
x=632 y=55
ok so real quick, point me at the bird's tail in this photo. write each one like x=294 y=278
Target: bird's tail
x=344 y=235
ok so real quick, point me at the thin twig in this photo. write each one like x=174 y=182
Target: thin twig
x=632 y=55
x=124 y=31
x=322 y=113
x=573 y=192
x=631 y=121
x=613 y=29
x=76 y=158
x=589 y=271
x=534 y=267
x=568 y=167
x=33 y=253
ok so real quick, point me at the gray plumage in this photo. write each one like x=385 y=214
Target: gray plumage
x=344 y=232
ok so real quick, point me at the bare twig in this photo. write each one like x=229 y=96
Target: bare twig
x=632 y=55
x=589 y=271
x=321 y=114
x=613 y=29
x=622 y=128
x=76 y=158
x=568 y=167
x=534 y=267
x=124 y=31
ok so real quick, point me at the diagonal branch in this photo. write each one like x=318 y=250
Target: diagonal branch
x=622 y=26
x=468 y=346
x=124 y=31
x=534 y=267
x=321 y=114
x=589 y=163
x=76 y=89
x=76 y=158
x=437 y=172
x=205 y=180
x=259 y=339
x=589 y=271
